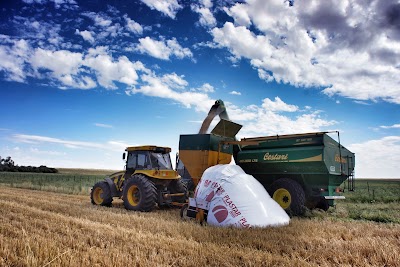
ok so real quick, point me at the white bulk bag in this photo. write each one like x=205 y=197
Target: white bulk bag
x=233 y=197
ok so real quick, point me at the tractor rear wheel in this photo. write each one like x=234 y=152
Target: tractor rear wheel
x=289 y=195
x=178 y=186
x=139 y=194
x=101 y=194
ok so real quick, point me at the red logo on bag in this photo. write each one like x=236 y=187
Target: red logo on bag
x=210 y=196
x=220 y=213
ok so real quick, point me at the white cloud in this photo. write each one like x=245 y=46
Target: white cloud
x=60 y=62
x=361 y=102
x=373 y=155
x=162 y=49
x=264 y=75
x=104 y=27
x=312 y=46
x=68 y=69
x=271 y=123
x=235 y=93
x=37 y=139
x=133 y=26
x=40 y=33
x=99 y=19
x=172 y=86
x=102 y=125
x=207 y=18
x=394 y=126
x=278 y=105
x=108 y=70
x=174 y=81
x=56 y=152
x=240 y=15
x=64 y=66
x=57 y=3
x=206 y=88
x=86 y=35
x=167 y=7
x=246 y=114
x=13 y=56
x=266 y=119
x=261 y=120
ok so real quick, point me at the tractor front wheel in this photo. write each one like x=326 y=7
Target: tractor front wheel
x=139 y=194
x=289 y=195
x=101 y=194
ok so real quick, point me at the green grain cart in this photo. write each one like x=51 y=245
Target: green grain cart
x=299 y=170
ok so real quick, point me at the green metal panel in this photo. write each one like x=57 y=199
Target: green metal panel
x=315 y=160
x=337 y=159
x=295 y=140
x=204 y=142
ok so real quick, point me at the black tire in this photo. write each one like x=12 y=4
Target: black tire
x=101 y=194
x=139 y=194
x=322 y=204
x=189 y=184
x=290 y=195
x=178 y=186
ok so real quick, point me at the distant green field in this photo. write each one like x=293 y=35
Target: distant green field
x=373 y=200
x=374 y=190
x=58 y=182
x=85 y=171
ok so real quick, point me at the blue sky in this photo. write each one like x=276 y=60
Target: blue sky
x=81 y=80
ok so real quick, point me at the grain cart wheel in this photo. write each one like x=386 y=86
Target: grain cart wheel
x=101 y=194
x=139 y=194
x=289 y=195
x=178 y=186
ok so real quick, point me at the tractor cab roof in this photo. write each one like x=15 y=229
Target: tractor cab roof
x=157 y=149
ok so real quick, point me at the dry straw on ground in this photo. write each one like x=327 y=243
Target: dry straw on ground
x=50 y=229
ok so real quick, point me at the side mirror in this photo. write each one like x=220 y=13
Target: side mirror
x=123 y=156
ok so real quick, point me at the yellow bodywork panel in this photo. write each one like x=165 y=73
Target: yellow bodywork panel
x=197 y=161
x=160 y=174
x=119 y=177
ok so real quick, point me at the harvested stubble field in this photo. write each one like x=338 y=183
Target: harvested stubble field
x=40 y=228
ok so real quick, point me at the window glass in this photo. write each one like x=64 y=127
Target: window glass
x=161 y=161
x=132 y=159
x=143 y=162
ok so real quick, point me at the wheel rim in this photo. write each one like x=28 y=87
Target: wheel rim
x=282 y=197
x=97 y=193
x=133 y=195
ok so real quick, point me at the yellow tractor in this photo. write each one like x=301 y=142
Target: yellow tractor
x=148 y=179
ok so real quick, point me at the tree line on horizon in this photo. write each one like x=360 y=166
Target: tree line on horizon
x=8 y=165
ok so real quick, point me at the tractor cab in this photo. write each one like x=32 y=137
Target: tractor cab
x=148 y=158
x=152 y=161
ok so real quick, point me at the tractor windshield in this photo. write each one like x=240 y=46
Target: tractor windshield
x=161 y=161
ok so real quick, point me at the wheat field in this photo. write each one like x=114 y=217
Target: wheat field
x=40 y=228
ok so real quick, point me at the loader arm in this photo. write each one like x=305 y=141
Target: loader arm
x=217 y=109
